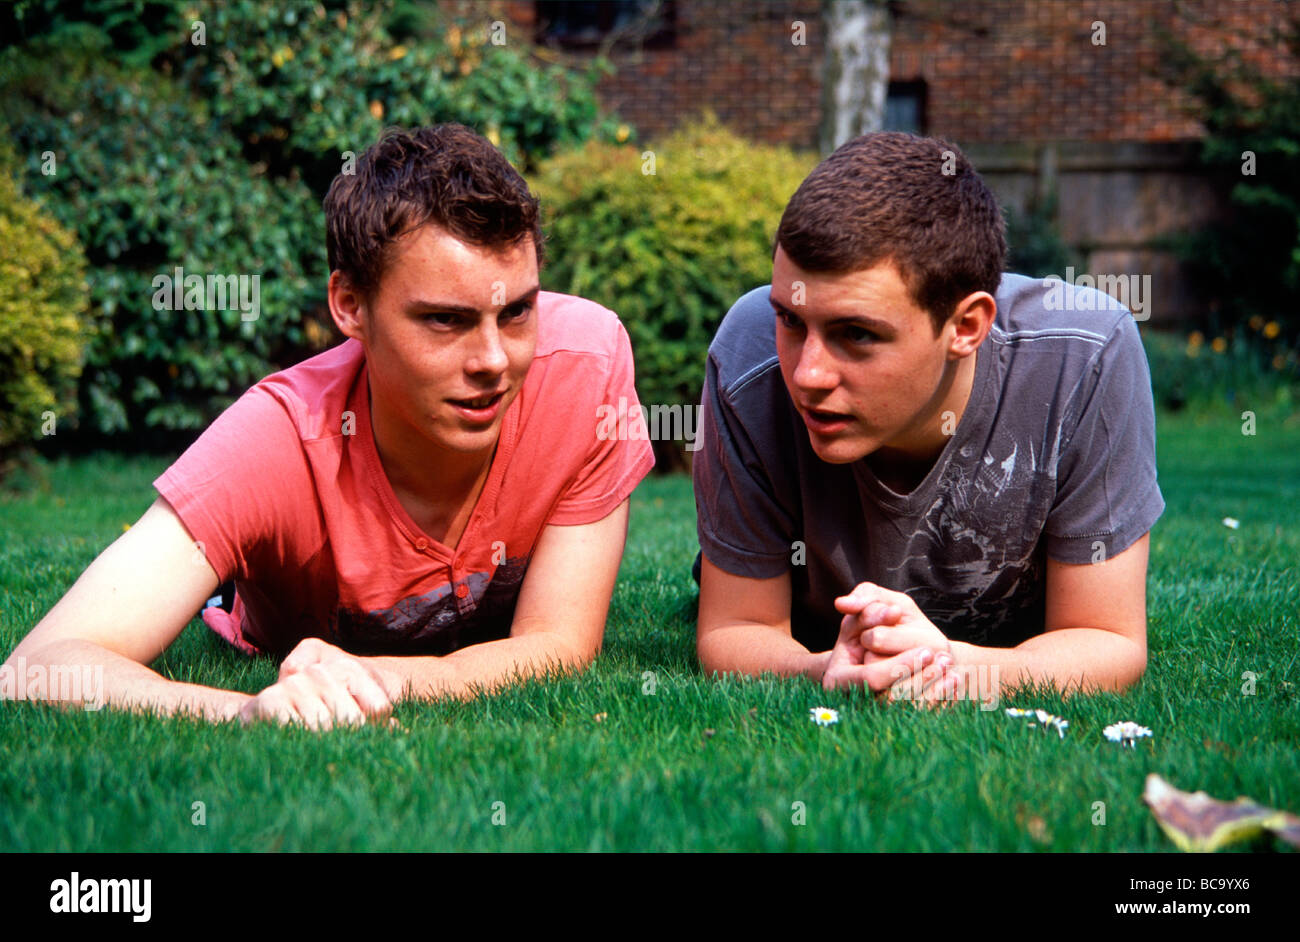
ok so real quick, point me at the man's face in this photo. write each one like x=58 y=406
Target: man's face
x=860 y=361
x=450 y=334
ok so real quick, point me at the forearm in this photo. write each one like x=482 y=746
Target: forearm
x=758 y=649
x=484 y=667
x=84 y=674
x=1070 y=659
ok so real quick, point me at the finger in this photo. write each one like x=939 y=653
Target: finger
x=844 y=676
x=307 y=652
x=862 y=593
x=369 y=695
x=317 y=702
x=886 y=640
x=915 y=687
x=945 y=691
x=885 y=672
x=334 y=693
x=274 y=705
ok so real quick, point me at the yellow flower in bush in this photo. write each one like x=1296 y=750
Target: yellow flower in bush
x=397 y=52
x=1219 y=345
x=622 y=133
x=377 y=110
x=1272 y=329
x=1195 y=339
x=1256 y=322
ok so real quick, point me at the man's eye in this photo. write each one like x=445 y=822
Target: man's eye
x=442 y=319
x=859 y=335
x=787 y=320
x=517 y=313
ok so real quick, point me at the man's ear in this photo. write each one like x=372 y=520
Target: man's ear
x=347 y=307
x=970 y=323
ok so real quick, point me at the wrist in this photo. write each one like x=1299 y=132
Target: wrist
x=412 y=675
x=816 y=664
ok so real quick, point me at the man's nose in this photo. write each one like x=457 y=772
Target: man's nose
x=816 y=368
x=488 y=355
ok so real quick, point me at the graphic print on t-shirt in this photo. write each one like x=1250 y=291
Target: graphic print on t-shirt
x=440 y=621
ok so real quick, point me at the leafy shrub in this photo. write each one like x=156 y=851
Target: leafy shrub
x=151 y=183
x=220 y=168
x=1248 y=368
x=669 y=251
x=309 y=84
x=43 y=296
x=1248 y=265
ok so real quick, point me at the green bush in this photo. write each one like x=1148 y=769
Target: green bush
x=669 y=251
x=1248 y=264
x=43 y=296
x=151 y=183
x=1249 y=368
x=214 y=158
x=309 y=84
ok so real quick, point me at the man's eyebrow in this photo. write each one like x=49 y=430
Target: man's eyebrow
x=884 y=328
x=450 y=307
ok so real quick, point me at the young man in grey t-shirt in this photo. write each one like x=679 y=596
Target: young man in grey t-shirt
x=916 y=474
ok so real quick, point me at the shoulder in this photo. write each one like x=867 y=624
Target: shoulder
x=745 y=344
x=569 y=324
x=314 y=393
x=1048 y=314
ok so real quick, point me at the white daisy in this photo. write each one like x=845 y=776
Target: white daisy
x=1126 y=732
x=1050 y=719
x=1231 y=523
x=1037 y=717
x=824 y=716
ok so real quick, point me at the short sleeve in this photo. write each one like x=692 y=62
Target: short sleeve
x=743 y=527
x=236 y=488
x=615 y=464
x=1106 y=478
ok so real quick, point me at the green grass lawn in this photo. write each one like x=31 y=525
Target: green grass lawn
x=696 y=764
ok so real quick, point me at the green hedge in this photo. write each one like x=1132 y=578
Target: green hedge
x=669 y=251
x=214 y=158
x=151 y=183
x=43 y=296
x=309 y=83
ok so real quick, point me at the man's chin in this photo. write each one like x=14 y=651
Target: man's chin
x=838 y=450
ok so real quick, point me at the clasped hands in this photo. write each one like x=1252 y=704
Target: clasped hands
x=887 y=646
x=321 y=686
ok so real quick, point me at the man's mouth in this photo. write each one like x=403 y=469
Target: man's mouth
x=820 y=420
x=481 y=402
x=480 y=411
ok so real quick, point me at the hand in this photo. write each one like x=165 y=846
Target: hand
x=893 y=633
x=321 y=686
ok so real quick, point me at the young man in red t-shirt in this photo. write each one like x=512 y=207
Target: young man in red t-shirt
x=424 y=510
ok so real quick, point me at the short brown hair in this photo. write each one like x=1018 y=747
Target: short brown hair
x=915 y=201
x=447 y=175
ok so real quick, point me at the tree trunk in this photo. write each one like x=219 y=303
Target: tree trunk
x=856 y=75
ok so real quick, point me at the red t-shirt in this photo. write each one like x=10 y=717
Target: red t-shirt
x=291 y=503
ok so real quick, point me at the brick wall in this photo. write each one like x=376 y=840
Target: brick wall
x=996 y=70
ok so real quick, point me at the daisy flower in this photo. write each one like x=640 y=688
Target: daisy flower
x=1231 y=523
x=1037 y=717
x=1050 y=719
x=1125 y=732
x=824 y=716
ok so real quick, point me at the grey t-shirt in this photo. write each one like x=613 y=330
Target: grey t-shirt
x=1054 y=455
